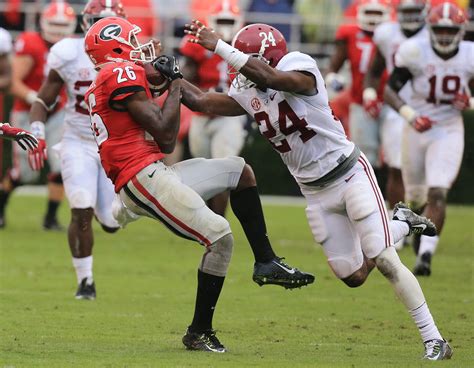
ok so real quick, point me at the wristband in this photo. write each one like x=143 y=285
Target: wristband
x=30 y=97
x=407 y=113
x=37 y=128
x=331 y=77
x=235 y=58
x=369 y=94
x=46 y=107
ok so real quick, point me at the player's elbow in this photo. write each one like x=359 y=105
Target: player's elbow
x=166 y=142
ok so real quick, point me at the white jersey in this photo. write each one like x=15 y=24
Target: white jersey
x=435 y=81
x=303 y=129
x=388 y=37
x=5 y=42
x=68 y=58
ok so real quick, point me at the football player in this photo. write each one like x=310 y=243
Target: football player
x=387 y=38
x=88 y=190
x=57 y=21
x=25 y=139
x=134 y=134
x=440 y=70
x=370 y=127
x=285 y=94
x=214 y=136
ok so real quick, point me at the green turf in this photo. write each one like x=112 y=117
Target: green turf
x=146 y=286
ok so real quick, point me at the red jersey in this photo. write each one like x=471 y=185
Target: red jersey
x=360 y=52
x=125 y=147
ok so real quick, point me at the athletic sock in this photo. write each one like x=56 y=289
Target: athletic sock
x=3 y=201
x=248 y=209
x=399 y=230
x=83 y=267
x=208 y=291
x=52 y=209
x=425 y=323
x=428 y=244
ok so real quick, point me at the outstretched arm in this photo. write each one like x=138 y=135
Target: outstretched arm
x=47 y=96
x=398 y=78
x=376 y=69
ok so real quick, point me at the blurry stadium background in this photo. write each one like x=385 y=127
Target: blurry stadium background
x=308 y=25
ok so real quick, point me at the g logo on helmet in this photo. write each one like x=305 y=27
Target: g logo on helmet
x=109 y=32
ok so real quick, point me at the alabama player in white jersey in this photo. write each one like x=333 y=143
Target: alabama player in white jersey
x=88 y=190
x=387 y=38
x=441 y=74
x=286 y=95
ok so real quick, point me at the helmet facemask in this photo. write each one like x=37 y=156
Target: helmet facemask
x=239 y=80
x=411 y=18
x=370 y=16
x=446 y=39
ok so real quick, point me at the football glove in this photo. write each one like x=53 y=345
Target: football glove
x=168 y=66
x=25 y=140
x=422 y=123
x=37 y=156
x=461 y=101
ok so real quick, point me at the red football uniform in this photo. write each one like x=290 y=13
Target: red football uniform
x=360 y=52
x=125 y=147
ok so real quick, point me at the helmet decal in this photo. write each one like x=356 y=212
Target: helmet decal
x=109 y=32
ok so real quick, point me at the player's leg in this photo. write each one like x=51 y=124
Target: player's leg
x=210 y=177
x=158 y=192
x=104 y=204
x=54 y=132
x=376 y=236
x=79 y=170
x=227 y=139
x=443 y=161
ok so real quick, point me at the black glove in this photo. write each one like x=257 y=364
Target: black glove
x=168 y=66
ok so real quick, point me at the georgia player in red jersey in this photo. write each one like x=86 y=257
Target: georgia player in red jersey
x=212 y=136
x=57 y=21
x=134 y=134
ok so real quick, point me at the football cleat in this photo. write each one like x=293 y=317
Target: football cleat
x=423 y=265
x=52 y=224
x=418 y=224
x=203 y=341
x=277 y=272
x=86 y=289
x=437 y=350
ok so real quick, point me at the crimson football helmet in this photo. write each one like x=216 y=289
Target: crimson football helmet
x=447 y=24
x=115 y=39
x=98 y=9
x=57 y=21
x=371 y=13
x=226 y=19
x=412 y=13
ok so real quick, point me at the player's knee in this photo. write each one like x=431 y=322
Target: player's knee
x=372 y=243
x=437 y=196
x=357 y=278
x=55 y=178
x=359 y=202
x=80 y=198
x=217 y=257
x=388 y=263
x=247 y=178
x=109 y=229
x=416 y=196
x=82 y=218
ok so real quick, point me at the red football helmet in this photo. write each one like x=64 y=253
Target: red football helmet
x=98 y=9
x=226 y=19
x=58 y=20
x=412 y=13
x=115 y=39
x=447 y=24
x=370 y=13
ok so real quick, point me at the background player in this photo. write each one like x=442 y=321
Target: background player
x=441 y=71
x=213 y=136
x=369 y=127
x=387 y=38
x=285 y=93
x=57 y=21
x=88 y=190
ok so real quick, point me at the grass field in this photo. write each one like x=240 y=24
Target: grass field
x=146 y=280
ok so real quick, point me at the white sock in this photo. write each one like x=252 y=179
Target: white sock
x=425 y=323
x=428 y=244
x=399 y=230
x=83 y=267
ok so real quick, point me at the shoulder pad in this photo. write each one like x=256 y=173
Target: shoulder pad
x=384 y=32
x=296 y=61
x=65 y=50
x=409 y=54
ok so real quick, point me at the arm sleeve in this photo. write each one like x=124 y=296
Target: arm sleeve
x=398 y=78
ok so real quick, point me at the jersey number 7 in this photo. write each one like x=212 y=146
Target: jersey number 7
x=297 y=125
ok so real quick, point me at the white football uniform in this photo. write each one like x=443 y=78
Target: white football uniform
x=347 y=213
x=5 y=42
x=85 y=182
x=433 y=158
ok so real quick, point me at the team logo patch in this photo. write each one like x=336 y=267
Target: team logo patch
x=430 y=69
x=255 y=104
x=84 y=73
x=112 y=30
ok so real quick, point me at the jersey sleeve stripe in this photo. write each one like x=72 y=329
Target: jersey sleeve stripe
x=118 y=95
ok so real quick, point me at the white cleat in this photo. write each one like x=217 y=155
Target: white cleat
x=437 y=350
x=418 y=224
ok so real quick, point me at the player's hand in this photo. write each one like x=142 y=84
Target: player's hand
x=157 y=46
x=334 y=82
x=37 y=156
x=461 y=101
x=25 y=139
x=168 y=66
x=204 y=36
x=422 y=123
x=373 y=108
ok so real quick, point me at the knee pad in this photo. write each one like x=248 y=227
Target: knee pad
x=344 y=267
x=217 y=257
x=372 y=243
x=80 y=199
x=359 y=202
x=55 y=178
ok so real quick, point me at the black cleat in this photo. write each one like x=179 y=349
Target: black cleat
x=418 y=224
x=277 y=272
x=423 y=265
x=86 y=289
x=437 y=350
x=203 y=341
x=52 y=224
